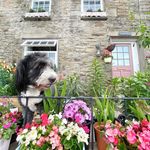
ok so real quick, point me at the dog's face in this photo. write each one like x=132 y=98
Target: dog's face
x=35 y=69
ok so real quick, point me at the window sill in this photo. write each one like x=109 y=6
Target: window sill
x=37 y=16
x=93 y=16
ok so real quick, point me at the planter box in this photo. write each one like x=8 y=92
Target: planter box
x=4 y=144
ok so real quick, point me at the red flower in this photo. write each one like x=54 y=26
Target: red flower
x=27 y=126
x=44 y=118
x=144 y=123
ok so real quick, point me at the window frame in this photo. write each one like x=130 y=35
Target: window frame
x=38 y=4
x=27 y=46
x=102 y=7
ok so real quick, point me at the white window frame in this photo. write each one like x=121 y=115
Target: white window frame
x=27 y=51
x=44 y=3
x=82 y=6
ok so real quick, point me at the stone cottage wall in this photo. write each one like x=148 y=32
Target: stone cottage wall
x=76 y=37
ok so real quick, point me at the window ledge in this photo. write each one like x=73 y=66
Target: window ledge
x=37 y=16
x=93 y=16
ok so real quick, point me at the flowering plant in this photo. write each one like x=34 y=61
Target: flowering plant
x=77 y=111
x=136 y=135
x=8 y=124
x=51 y=132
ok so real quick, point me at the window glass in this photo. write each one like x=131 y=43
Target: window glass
x=114 y=55
x=126 y=62
x=35 y=6
x=114 y=62
x=91 y=5
x=46 y=5
x=126 y=56
x=120 y=62
x=126 y=49
x=120 y=55
x=119 y=49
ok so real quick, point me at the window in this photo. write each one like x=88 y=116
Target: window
x=41 y=5
x=92 y=6
x=44 y=46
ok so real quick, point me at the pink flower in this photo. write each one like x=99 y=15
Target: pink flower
x=131 y=136
x=109 y=132
x=39 y=143
x=79 y=118
x=55 y=129
x=6 y=126
x=86 y=129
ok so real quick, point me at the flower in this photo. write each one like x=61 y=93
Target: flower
x=78 y=111
x=55 y=134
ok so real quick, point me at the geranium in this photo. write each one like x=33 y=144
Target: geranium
x=51 y=132
x=78 y=111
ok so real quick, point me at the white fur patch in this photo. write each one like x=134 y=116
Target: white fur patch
x=31 y=91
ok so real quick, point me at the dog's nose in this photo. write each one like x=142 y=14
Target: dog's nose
x=52 y=80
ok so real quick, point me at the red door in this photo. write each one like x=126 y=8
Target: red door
x=122 y=60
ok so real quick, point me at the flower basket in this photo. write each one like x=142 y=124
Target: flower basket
x=101 y=141
x=108 y=60
x=4 y=144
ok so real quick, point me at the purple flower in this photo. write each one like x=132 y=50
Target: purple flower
x=68 y=114
x=6 y=126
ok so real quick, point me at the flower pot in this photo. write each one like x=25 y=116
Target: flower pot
x=4 y=144
x=101 y=142
x=108 y=60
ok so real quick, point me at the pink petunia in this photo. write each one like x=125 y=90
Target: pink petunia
x=131 y=137
x=6 y=126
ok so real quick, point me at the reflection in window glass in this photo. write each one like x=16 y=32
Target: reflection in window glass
x=120 y=62
x=126 y=56
x=126 y=62
x=52 y=57
x=35 y=6
x=120 y=55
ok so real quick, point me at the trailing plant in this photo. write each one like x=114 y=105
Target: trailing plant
x=96 y=79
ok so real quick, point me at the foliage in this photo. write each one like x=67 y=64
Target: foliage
x=104 y=109
x=144 y=35
x=70 y=87
x=140 y=109
x=96 y=79
x=52 y=132
x=7 y=79
x=134 y=86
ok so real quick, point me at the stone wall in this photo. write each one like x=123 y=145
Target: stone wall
x=76 y=37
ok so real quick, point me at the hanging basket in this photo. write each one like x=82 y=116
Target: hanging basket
x=4 y=144
x=108 y=60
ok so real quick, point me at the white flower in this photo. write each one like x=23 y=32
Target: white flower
x=34 y=142
x=33 y=128
x=51 y=117
x=64 y=121
x=27 y=142
x=59 y=115
x=25 y=131
x=32 y=135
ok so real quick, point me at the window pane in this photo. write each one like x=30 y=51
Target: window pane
x=126 y=49
x=126 y=56
x=115 y=50
x=114 y=55
x=47 y=6
x=126 y=62
x=52 y=57
x=119 y=49
x=120 y=62
x=41 y=5
x=120 y=55
x=35 y=6
x=114 y=62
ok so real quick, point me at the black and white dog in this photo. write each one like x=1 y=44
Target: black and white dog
x=34 y=74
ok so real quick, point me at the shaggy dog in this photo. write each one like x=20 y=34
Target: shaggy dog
x=34 y=74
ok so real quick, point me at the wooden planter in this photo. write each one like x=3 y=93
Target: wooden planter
x=101 y=142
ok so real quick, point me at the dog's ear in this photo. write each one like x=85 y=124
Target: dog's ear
x=21 y=76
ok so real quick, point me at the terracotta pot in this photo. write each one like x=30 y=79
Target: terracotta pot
x=101 y=143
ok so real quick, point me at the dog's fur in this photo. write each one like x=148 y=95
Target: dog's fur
x=34 y=73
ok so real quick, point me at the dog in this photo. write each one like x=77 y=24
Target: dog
x=34 y=74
